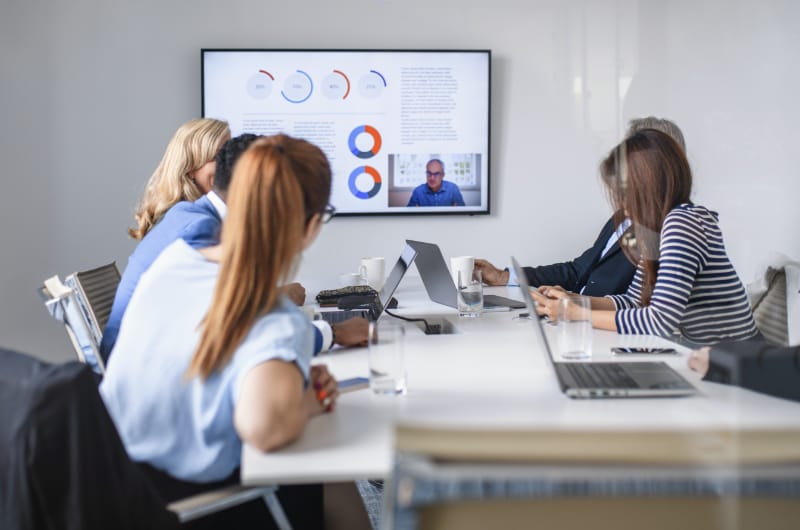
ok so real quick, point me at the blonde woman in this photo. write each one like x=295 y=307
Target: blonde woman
x=210 y=353
x=185 y=173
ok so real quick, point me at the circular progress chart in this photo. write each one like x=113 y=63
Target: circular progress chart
x=363 y=174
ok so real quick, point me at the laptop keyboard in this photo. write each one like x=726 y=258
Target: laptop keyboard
x=337 y=317
x=600 y=375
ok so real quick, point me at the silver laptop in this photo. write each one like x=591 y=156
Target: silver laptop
x=373 y=309
x=607 y=379
x=439 y=284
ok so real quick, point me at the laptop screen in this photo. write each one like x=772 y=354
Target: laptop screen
x=531 y=305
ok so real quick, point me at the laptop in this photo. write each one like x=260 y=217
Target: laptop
x=439 y=284
x=373 y=309
x=607 y=379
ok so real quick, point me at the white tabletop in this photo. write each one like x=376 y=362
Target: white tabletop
x=491 y=374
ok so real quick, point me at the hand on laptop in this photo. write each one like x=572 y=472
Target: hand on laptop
x=295 y=292
x=491 y=274
x=351 y=332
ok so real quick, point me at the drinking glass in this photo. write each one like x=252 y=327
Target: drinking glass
x=470 y=294
x=575 y=327
x=387 y=369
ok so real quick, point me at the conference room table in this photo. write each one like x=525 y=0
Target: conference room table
x=492 y=373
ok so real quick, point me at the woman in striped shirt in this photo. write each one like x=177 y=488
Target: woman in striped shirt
x=684 y=281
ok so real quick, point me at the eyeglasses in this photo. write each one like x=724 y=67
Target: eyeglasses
x=328 y=213
x=434 y=173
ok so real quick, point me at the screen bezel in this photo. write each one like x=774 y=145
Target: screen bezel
x=485 y=211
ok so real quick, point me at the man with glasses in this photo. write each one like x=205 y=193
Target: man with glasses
x=199 y=224
x=436 y=191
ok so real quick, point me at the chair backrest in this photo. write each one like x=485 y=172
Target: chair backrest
x=82 y=302
x=62 y=463
x=776 y=307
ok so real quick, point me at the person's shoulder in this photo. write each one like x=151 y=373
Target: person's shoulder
x=449 y=185
x=688 y=214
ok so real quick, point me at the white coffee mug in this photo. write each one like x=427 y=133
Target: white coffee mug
x=373 y=270
x=464 y=265
x=351 y=278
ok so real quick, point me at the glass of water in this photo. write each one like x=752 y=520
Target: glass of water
x=470 y=294
x=575 y=327
x=387 y=368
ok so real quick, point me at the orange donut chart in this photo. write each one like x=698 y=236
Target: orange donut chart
x=376 y=182
x=376 y=141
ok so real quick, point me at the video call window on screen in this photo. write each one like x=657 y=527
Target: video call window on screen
x=406 y=131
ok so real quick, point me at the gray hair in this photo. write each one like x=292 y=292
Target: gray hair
x=660 y=124
x=435 y=160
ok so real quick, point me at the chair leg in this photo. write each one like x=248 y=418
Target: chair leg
x=276 y=510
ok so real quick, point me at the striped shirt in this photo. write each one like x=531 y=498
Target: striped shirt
x=697 y=292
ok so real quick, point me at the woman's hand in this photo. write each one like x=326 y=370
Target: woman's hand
x=546 y=298
x=698 y=360
x=322 y=392
x=295 y=292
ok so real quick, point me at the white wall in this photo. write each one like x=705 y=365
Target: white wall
x=92 y=89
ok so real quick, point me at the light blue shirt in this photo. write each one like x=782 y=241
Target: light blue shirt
x=448 y=195
x=185 y=426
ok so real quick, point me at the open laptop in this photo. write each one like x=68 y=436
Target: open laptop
x=439 y=284
x=372 y=310
x=607 y=379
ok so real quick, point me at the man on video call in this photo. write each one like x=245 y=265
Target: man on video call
x=436 y=191
x=603 y=268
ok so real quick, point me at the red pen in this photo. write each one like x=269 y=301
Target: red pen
x=324 y=399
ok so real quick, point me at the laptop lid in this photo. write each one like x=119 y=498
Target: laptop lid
x=407 y=256
x=439 y=284
x=530 y=303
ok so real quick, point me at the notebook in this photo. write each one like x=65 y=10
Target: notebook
x=606 y=379
x=372 y=310
x=439 y=284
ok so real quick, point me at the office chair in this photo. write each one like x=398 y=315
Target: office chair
x=83 y=303
x=776 y=307
x=63 y=465
x=516 y=479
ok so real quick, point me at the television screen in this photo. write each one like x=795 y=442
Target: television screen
x=406 y=131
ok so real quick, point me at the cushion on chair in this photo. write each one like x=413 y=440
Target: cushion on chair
x=62 y=463
x=777 y=309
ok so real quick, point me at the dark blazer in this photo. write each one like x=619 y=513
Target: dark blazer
x=198 y=223
x=611 y=274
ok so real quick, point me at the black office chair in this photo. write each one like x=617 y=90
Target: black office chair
x=63 y=465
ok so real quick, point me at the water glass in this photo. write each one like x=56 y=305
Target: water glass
x=387 y=369
x=470 y=294
x=575 y=327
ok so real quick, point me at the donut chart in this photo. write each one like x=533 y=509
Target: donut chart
x=376 y=182
x=298 y=87
x=376 y=141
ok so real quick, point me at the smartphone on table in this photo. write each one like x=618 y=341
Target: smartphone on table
x=352 y=384
x=619 y=350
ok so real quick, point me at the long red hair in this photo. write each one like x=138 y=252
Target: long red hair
x=278 y=185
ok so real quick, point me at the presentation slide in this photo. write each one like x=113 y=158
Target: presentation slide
x=405 y=131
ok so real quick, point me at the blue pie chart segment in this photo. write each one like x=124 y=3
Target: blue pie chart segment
x=376 y=182
x=298 y=87
x=376 y=141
